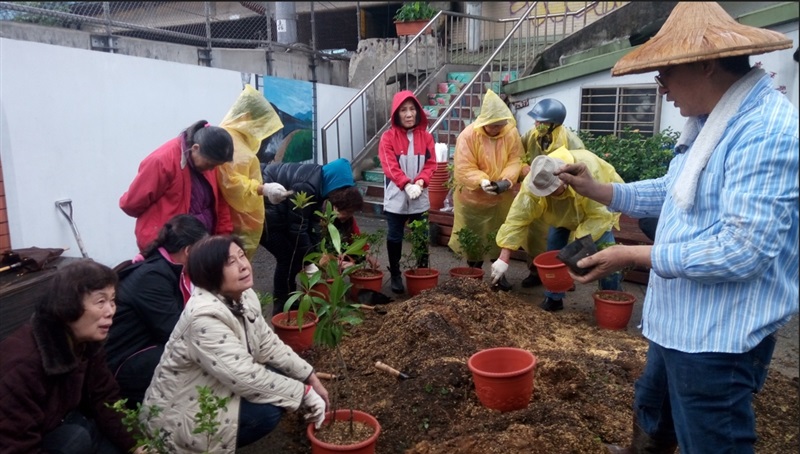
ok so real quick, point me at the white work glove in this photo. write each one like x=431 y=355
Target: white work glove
x=413 y=191
x=487 y=187
x=310 y=269
x=275 y=192
x=315 y=407
x=499 y=268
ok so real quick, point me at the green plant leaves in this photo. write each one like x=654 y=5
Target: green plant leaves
x=634 y=156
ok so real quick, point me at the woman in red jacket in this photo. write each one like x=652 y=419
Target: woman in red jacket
x=180 y=178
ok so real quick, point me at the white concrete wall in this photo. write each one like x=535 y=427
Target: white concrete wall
x=569 y=92
x=329 y=100
x=75 y=124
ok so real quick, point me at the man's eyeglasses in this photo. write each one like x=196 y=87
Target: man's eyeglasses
x=659 y=82
x=660 y=78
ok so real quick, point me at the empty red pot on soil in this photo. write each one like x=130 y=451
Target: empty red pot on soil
x=613 y=309
x=503 y=377
x=553 y=272
x=419 y=279
x=467 y=271
x=292 y=335
x=341 y=417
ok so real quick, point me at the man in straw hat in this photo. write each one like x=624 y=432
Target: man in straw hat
x=725 y=259
x=544 y=199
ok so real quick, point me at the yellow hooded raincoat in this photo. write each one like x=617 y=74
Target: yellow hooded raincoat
x=581 y=215
x=250 y=120
x=477 y=157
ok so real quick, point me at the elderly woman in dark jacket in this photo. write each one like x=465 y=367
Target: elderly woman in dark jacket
x=55 y=383
x=290 y=234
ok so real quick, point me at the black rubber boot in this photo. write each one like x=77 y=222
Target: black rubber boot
x=552 y=305
x=395 y=251
x=645 y=444
x=532 y=280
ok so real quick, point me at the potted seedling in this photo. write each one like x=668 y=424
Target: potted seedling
x=419 y=276
x=613 y=308
x=412 y=17
x=336 y=314
x=370 y=276
x=472 y=248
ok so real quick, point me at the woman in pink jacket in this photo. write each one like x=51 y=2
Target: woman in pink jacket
x=180 y=178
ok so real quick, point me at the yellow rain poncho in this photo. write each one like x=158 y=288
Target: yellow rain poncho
x=250 y=120
x=479 y=156
x=581 y=215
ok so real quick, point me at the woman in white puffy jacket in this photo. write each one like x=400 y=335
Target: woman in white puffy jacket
x=223 y=342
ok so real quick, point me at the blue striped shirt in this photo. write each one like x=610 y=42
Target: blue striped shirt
x=725 y=273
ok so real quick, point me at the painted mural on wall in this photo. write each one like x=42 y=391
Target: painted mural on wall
x=292 y=100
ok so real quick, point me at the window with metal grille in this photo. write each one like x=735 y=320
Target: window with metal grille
x=609 y=110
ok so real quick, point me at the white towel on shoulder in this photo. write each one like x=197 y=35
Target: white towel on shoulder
x=706 y=141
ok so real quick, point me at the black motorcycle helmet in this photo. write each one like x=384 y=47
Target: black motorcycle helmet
x=549 y=110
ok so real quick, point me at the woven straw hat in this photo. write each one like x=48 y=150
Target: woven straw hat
x=698 y=31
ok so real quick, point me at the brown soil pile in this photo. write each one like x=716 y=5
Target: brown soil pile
x=583 y=387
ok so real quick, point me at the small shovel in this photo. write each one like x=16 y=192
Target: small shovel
x=391 y=370
x=375 y=309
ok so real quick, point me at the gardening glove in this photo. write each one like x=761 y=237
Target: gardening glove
x=413 y=191
x=314 y=406
x=502 y=186
x=275 y=192
x=310 y=269
x=487 y=187
x=499 y=268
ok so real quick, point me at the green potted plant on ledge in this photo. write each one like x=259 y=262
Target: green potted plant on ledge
x=412 y=17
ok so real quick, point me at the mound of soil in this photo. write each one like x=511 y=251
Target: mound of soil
x=583 y=388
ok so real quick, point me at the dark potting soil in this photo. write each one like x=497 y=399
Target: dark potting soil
x=583 y=388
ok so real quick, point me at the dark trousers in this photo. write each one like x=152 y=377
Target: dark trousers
x=256 y=421
x=288 y=262
x=396 y=224
x=134 y=375
x=77 y=435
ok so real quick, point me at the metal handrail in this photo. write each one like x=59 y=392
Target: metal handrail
x=479 y=73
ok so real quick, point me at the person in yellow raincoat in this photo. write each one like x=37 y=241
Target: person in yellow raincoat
x=485 y=165
x=547 y=135
x=249 y=121
x=544 y=197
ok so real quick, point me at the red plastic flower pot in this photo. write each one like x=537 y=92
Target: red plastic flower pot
x=365 y=279
x=298 y=339
x=419 y=279
x=553 y=272
x=466 y=271
x=342 y=416
x=613 y=309
x=503 y=377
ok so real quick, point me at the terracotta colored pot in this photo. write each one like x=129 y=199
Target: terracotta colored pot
x=373 y=282
x=613 y=309
x=420 y=279
x=298 y=339
x=436 y=197
x=553 y=272
x=467 y=271
x=503 y=377
x=342 y=416
x=411 y=28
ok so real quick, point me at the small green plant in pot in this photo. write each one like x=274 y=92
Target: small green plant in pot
x=412 y=17
x=370 y=276
x=336 y=314
x=473 y=249
x=419 y=276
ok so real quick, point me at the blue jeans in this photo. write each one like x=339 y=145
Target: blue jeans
x=256 y=421
x=702 y=399
x=77 y=435
x=558 y=237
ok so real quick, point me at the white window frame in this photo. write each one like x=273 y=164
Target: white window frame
x=621 y=109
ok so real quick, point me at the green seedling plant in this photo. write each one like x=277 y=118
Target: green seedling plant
x=136 y=422
x=417 y=236
x=206 y=419
x=471 y=246
x=374 y=240
x=415 y=11
x=335 y=314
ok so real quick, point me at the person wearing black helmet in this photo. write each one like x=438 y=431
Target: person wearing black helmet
x=547 y=134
